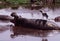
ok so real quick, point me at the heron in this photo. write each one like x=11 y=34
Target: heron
x=44 y=14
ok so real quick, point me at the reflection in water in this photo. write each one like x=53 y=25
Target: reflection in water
x=32 y=32
x=4 y=28
x=4 y=25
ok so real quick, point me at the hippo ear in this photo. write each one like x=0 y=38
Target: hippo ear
x=13 y=14
x=40 y=10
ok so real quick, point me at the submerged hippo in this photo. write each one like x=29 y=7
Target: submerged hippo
x=57 y=19
x=5 y=17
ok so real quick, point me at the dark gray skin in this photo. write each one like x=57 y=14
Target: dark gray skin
x=28 y=24
x=43 y=21
x=16 y=18
x=18 y=21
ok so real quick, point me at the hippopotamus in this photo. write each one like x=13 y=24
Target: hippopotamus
x=57 y=19
x=32 y=23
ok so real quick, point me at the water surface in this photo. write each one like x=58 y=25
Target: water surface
x=10 y=33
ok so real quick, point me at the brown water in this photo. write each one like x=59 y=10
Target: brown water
x=10 y=33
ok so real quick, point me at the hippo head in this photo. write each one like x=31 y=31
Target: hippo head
x=13 y=14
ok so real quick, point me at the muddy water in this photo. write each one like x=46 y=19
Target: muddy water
x=10 y=33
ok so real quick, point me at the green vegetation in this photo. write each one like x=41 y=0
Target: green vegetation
x=2 y=6
x=26 y=3
x=57 y=0
x=18 y=1
x=13 y=3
